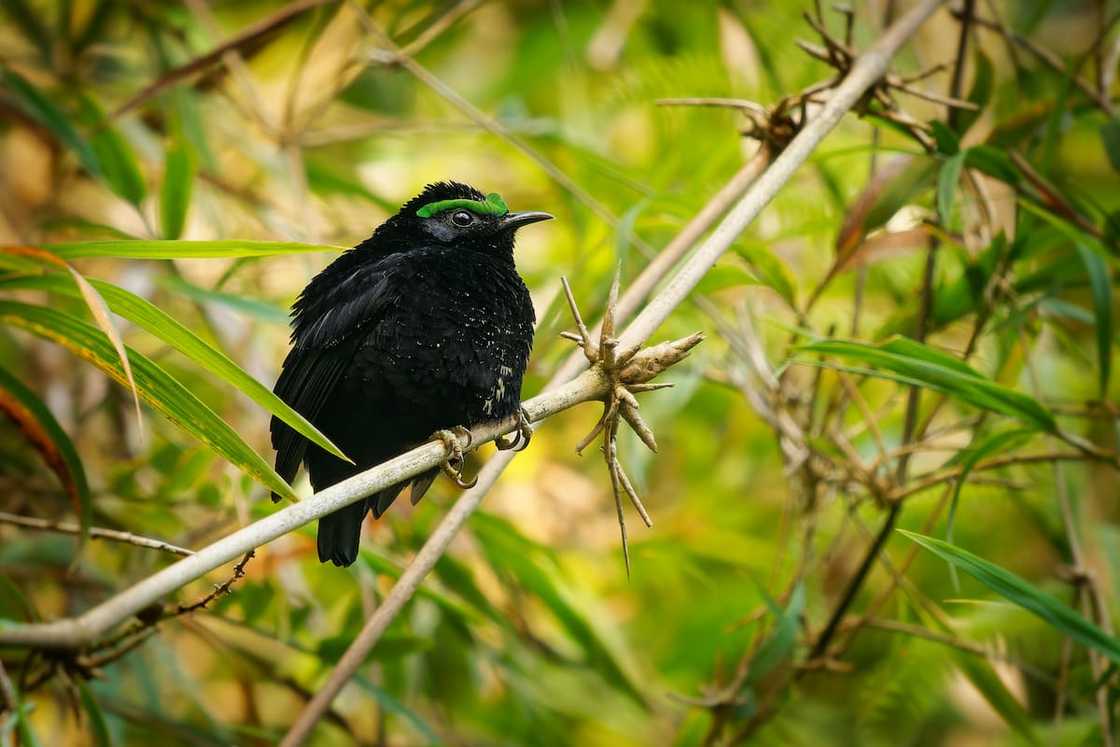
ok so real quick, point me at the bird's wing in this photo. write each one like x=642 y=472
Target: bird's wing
x=332 y=317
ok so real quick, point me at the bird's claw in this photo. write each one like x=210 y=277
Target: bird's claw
x=455 y=462
x=519 y=439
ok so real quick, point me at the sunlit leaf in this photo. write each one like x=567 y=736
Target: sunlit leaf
x=152 y=319
x=1020 y=592
x=167 y=249
x=97 y=309
x=162 y=392
x=930 y=368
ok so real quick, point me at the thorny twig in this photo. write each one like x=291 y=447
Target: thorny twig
x=85 y=663
x=624 y=381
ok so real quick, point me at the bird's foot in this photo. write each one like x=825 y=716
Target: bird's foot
x=519 y=439
x=453 y=466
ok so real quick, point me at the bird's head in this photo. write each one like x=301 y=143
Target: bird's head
x=458 y=215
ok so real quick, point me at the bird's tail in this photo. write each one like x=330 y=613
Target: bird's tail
x=340 y=534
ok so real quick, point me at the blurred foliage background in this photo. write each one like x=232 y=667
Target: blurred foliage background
x=225 y=121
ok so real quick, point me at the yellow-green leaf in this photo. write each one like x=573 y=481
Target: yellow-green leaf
x=159 y=389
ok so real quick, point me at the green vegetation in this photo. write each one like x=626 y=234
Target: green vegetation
x=884 y=490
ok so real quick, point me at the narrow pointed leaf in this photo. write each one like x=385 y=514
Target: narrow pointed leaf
x=1101 y=285
x=151 y=318
x=97 y=308
x=969 y=458
x=175 y=193
x=119 y=168
x=158 y=388
x=37 y=423
x=1025 y=595
x=947 y=180
x=166 y=249
x=920 y=364
x=36 y=105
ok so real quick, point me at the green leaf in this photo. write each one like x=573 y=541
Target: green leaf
x=175 y=193
x=163 y=249
x=1100 y=283
x=38 y=107
x=724 y=276
x=27 y=737
x=992 y=161
x=164 y=393
x=919 y=364
x=507 y=550
x=770 y=271
x=947 y=179
x=980 y=92
x=118 y=164
x=948 y=143
x=98 y=729
x=779 y=646
x=394 y=706
x=154 y=320
x=29 y=24
x=1019 y=592
x=968 y=459
x=988 y=684
x=39 y=425
x=1110 y=138
x=254 y=307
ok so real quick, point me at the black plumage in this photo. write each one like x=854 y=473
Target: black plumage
x=423 y=326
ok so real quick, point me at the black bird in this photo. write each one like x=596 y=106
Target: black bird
x=423 y=326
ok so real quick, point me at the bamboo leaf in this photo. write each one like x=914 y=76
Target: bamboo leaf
x=175 y=193
x=119 y=167
x=1025 y=595
x=1110 y=138
x=980 y=92
x=947 y=179
x=98 y=729
x=160 y=390
x=779 y=646
x=165 y=249
x=1100 y=283
x=254 y=307
x=507 y=550
x=968 y=459
x=152 y=319
x=38 y=107
x=920 y=364
x=97 y=309
x=44 y=432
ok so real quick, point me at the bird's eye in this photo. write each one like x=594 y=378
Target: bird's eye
x=462 y=218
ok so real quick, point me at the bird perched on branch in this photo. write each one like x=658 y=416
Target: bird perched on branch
x=424 y=326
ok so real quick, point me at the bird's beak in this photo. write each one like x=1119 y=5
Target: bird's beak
x=513 y=221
